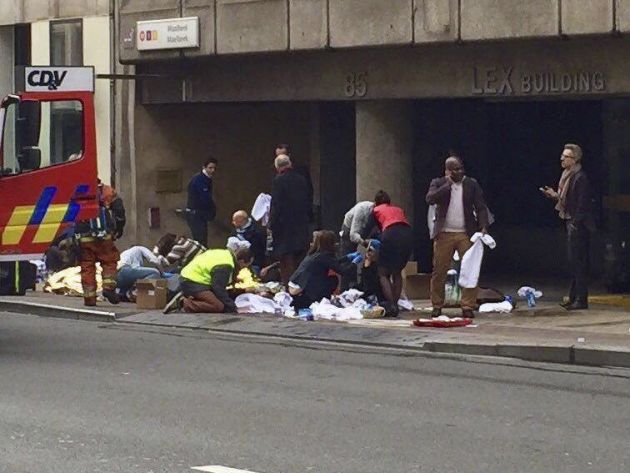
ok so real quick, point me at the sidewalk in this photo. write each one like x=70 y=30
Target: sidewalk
x=599 y=336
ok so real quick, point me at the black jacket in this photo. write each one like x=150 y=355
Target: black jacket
x=474 y=204
x=312 y=274
x=200 y=197
x=290 y=208
x=579 y=203
x=257 y=237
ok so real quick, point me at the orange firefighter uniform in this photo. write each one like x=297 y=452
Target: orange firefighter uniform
x=96 y=242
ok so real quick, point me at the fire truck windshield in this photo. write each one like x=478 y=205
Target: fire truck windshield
x=39 y=134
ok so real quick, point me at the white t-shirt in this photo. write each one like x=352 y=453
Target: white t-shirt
x=136 y=255
x=455 y=221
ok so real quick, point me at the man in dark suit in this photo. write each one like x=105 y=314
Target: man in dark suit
x=200 y=207
x=289 y=216
x=460 y=211
x=574 y=206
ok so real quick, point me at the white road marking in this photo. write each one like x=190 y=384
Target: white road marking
x=219 y=469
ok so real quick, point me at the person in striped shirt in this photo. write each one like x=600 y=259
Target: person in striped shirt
x=178 y=250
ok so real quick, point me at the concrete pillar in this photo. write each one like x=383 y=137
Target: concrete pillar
x=384 y=151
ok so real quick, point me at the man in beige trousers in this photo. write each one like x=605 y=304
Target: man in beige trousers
x=461 y=210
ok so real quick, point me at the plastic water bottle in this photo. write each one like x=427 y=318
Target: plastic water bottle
x=531 y=299
x=305 y=314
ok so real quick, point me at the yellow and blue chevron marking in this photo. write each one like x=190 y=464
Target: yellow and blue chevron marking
x=48 y=217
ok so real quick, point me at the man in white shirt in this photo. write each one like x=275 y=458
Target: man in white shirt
x=131 y=268
x=460 y=211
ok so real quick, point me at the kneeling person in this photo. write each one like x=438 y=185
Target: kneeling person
x=205 y=279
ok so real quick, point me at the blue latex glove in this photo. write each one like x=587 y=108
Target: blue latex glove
x=374 y=245
x=358 y=259
x=355 y=257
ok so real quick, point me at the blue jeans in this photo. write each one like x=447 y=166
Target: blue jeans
x=127 y=276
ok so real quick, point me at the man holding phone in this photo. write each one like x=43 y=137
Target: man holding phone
x=574 y=206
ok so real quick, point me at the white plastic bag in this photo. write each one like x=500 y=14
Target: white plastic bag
x=471 y=262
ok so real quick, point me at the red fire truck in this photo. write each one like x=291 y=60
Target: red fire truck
x=48 y=168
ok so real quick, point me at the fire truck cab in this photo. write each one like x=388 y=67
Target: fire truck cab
x=48 y=167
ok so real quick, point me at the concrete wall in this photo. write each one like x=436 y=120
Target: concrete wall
x=243 y=26
x=7 y=81
x=97 y=53
x=446 y=70
x=29 y=11
x=497 y=19
x=384 y=152
x=309 y=24
x=180 y=137
x=370 y=22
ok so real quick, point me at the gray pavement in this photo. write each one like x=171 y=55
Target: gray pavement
x=599 y=336
x=81 y=396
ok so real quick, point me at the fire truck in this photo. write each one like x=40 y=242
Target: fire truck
x=48 y=167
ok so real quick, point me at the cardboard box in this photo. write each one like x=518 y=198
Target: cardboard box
x=417 y=286
x=151 y=293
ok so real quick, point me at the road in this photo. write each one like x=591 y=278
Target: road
x=87 y=397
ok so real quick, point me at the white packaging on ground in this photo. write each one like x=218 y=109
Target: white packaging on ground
x=501 y=307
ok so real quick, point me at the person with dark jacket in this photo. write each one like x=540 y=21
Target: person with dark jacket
x=289 y=216
x=302 y=170
x=200 y=208
x=316 y=276
x=461 y=210
x=574 y=206
x=245 y=228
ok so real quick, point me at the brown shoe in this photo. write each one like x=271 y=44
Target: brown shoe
x=436 y=312
x=89 y=301
x=468 y=313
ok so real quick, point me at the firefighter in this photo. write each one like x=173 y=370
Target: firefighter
x=96 y=243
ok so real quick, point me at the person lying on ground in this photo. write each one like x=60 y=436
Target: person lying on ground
x=205 y=279
x=178 y=250
x=133 y=266
x=317 y=276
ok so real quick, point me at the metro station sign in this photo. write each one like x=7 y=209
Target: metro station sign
x=171 y=33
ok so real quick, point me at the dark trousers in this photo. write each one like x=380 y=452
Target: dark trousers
x=198 y=225
x=578 y=244
x=288 y=264
x=348 y=278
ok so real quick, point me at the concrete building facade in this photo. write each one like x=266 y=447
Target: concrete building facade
x=374 y=94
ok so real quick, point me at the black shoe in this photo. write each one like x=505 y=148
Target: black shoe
x=391 y=310
x=111 y=296
x=436 y=312
x=566 y=304
x=175 y=304
x=468 y=313
x=577 y=306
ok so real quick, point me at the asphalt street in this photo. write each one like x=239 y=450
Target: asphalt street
x=95 y=397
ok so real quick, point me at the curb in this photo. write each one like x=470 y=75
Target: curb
x=564 y=354
x=47 y=310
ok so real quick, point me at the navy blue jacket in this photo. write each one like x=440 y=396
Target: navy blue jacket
x=200 y=196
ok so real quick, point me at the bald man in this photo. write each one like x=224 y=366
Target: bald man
x=245 y=228
x=460 y=211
